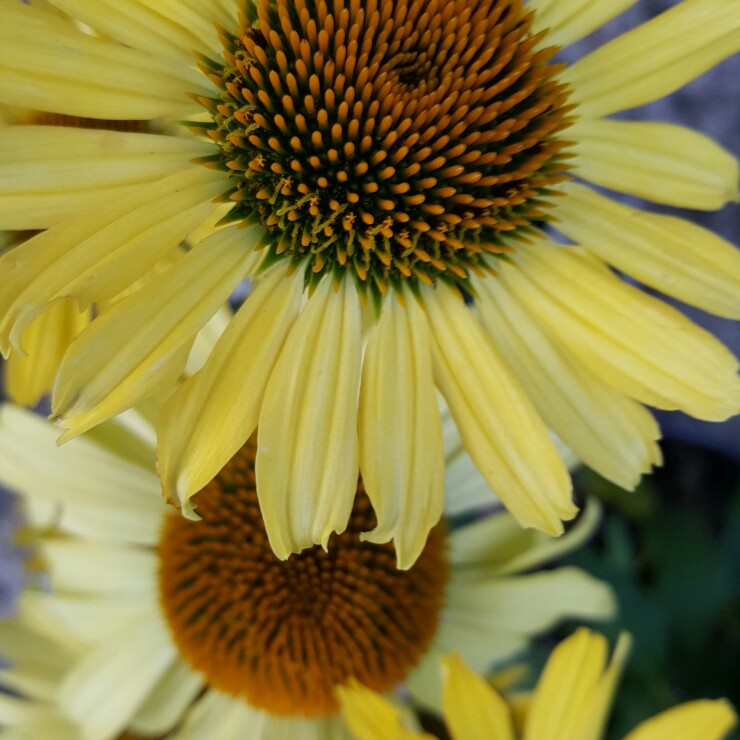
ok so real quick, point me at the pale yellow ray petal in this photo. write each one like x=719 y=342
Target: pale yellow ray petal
x=120 y=358
x=695 y=720
x=570 y=20
x=675 y=256
x=369 y=716
x=401 y=457
x=48 y=65
x=31 y=376
x=108 y=671
x=48 y=173
x=472 y=708
x=168 y=33
x=307 y=453
x=501 y=430
x=656 y=161
x=215 y=411
x=99 y=254
x=609 y=432
x=635 y=342
x=574 y=692
x=656 y=58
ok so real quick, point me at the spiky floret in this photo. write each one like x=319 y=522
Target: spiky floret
x=395 y=140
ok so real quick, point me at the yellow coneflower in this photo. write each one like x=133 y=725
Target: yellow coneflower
x=571 y=702
x=161 y=626
x=372 y=165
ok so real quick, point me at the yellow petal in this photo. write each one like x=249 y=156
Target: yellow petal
x=472 y=708
x=31 y=376
x=371 y=717
x=50 y=65
x=677 y=257
x=501 y=430
x=569 y=20
x=307 y=453
x=99 y=254
x=633 y=341
x=401 y=456
x=656 y=161
x=172 y=30
x=609 y=432
x=694 y=720
x=119 y=358
x=215 y=411
x=655 y=58
x=574 y=693
x=48 y=173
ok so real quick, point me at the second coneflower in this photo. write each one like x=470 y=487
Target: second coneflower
x=372 y=165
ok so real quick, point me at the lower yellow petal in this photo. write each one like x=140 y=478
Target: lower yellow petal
x=307 y=452
x=472 y=708
x=694 y=720
x=501 y=430
x=401 y=456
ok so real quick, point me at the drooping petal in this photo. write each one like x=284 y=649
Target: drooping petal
x=49 y=173
x=48 y=64
x=121 y=357
x=575 y=691
x=608 y=431
x=215 y=411
x=655 y=58
x=502 y=432
x=472 y=708
x=29 y=377
x=656 y=161
x=671 y=254
x=307 y=455
x=695 y=720
x=633 y=341
x=567 y=21
x=401 y=457
x=98 y=255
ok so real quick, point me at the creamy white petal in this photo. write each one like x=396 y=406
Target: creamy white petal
x=49 y=173
x=307 y=455
x=671 y=254
x=215 y=411
x=218 y=716
x=120 y=358
x=49 y=65
x=98 y=255
x=609 y=432
x=105 y=689
x=401 y=456
x=168 y=701
x=656 y=161
x=502 y=432
x=567 y=21
x=497 y=545
x=633 y=341
x=655 y=58
x=86 y=566
x=465 y=488
x=84 y=477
